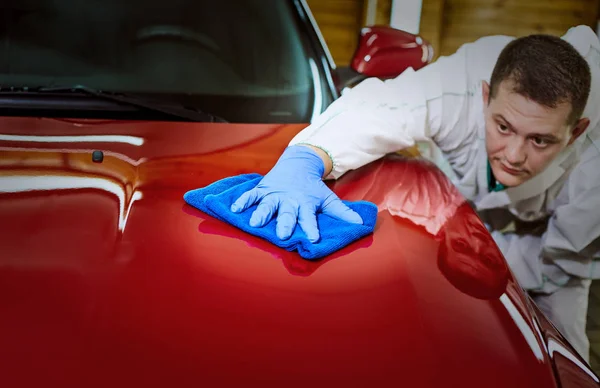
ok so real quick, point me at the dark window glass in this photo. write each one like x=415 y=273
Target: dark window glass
x=245 y=60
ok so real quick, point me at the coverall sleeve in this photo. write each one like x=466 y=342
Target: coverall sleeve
x=378 y=117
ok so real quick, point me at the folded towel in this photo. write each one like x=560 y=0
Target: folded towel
x=217 y=198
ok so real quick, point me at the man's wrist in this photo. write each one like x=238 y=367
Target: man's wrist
x=327 y=162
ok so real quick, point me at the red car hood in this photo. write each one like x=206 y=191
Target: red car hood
x=108 y=279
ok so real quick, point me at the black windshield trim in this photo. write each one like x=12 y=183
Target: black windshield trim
x=82 y=98
x=195 y=115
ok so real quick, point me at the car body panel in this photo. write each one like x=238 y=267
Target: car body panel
x=384 y=52
x=107 y=278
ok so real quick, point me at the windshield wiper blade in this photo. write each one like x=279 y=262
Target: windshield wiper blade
x=180 y=112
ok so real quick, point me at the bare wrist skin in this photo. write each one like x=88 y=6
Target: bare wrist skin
x=323 y=155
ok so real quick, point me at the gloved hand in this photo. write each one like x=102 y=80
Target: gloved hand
x=295 y=190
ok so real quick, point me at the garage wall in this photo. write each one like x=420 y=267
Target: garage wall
x=384 y=10
x=340 y=22
x=450 y=23
x=432 y=22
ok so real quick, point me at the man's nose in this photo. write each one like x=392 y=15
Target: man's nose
x=514 y=152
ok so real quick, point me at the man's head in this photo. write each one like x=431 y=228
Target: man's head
x=533 y=106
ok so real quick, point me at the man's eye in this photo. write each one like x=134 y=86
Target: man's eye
x=502 y=128
x=540 y=142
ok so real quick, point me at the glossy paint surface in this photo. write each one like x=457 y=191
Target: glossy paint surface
x=386 y=52
x=572 y=372
x=108 y=279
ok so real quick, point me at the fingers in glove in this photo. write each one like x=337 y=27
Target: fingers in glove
x=264 y=211
x=337 y=209
x=245 y=200
x=287 y=218
x=307 y=219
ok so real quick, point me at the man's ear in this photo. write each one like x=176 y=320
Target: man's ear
x=485 y=92
x=579 y=129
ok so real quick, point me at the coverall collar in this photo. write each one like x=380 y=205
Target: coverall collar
x=493 y=184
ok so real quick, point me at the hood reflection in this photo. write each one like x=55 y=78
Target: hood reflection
x=22 y=184
x=418 y=191
x=132 y=140
x=469 y=258
x=292 y=261
x=556 y=347
x=523 y=326
x=424 y=195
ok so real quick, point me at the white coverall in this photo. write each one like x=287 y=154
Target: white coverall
x=443 y=103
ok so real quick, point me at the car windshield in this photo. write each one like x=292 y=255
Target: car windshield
x=244 y=60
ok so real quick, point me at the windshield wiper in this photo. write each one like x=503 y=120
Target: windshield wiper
x=177 y=111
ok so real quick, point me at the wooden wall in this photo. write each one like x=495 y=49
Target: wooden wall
x=384 y=11
x=430 y=27
x=450 y=23
x=340 y=22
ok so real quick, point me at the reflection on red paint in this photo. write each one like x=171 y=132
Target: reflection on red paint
x=572 y=370
x=424 y=195
x=469 y=258
x=413 y=189
x=292 y=261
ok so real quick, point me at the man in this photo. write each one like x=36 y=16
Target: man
x=516 y=119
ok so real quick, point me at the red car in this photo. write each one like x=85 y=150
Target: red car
x=110 y=111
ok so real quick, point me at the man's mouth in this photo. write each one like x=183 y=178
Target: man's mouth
x=510 y=170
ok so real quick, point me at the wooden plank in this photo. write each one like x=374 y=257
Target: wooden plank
x=335 y=5
x=384 y=12
x=432 y=23
x=474 y=31
x=340 y=22
x=557 y=5
x=467 y=20
x=516 y=17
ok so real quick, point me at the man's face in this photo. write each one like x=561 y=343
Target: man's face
x=522 y=136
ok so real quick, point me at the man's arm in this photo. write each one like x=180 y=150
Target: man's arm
x=438 y=102
x=371 y=120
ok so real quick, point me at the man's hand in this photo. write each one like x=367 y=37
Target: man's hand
x=295 y=190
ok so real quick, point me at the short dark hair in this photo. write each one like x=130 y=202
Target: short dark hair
x=545 y=69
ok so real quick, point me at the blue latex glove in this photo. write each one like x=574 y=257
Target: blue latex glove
x=295 y=190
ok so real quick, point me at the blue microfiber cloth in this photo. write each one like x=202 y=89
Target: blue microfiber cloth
x=217 y=198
